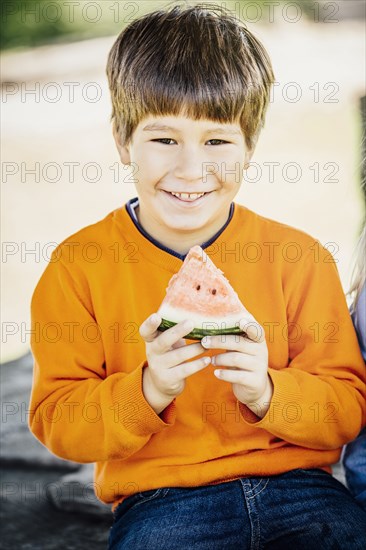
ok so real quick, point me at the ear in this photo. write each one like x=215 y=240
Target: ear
x=124 y=152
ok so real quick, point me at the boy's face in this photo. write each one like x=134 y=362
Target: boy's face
x=187 y=157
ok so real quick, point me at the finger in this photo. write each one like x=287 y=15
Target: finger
x=148 y=329
x=252 y=329
x=233 y=342
x=181 y=343
x=232 y=376
x=187 y=369
x=165 y=341
x=234 y=360
x=184 y=353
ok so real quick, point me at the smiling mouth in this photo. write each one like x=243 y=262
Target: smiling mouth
x=187 y=197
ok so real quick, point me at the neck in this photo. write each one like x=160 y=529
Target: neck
x=182 y=242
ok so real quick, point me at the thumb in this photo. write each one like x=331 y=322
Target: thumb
x=148 y=329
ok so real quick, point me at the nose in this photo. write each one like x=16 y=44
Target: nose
x=190 y=164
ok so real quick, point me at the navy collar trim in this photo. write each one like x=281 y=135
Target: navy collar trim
x=133 y=203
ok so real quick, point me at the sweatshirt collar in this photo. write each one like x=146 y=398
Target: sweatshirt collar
x=133 y=203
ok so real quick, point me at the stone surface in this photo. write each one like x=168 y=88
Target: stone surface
x=30 y=522
x=46 y=502
x=18 y=446
x=73 y=492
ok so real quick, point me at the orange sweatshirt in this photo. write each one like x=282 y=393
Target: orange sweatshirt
x=87 y=403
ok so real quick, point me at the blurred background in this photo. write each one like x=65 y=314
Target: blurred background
x=60 y=168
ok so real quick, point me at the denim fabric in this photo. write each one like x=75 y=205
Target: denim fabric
x=300 y=510
x=354 y=454
x=354 y=462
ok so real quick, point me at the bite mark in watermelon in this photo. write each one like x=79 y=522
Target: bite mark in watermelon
x=200 y=292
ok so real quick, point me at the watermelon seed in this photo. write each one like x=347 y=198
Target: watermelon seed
x=198 y=287
x=214 y=291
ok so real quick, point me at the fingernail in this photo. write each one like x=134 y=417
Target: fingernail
x=188 y=325
x=154 y=318
x=206 y=341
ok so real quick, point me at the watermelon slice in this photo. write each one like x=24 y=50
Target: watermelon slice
x=200 y=292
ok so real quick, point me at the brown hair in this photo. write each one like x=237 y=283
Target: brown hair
x=198 y=61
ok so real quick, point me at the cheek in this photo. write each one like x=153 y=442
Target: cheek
x=231 y=170
x=152 y=164
x=233 y=177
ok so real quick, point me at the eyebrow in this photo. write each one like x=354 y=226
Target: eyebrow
x=155 y=127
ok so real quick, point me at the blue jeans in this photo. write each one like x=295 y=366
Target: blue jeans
x=354 y=462
x=299 y=510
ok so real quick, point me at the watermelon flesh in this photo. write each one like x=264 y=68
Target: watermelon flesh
x=200 y=292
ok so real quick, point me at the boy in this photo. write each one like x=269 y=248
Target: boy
x=191 y=456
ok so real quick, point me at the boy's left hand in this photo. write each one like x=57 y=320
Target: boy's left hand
x=246 y=365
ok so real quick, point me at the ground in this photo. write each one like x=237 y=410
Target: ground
x=44 y=499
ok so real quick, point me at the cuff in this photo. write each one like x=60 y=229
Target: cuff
x=286 y=395
x=136 y=414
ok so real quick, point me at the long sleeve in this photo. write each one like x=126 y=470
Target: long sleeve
x=77 y=411
x=319 y=399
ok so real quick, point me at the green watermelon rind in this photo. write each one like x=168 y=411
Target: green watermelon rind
x=199 y=333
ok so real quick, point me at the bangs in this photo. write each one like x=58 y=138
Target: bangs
x=192 y=62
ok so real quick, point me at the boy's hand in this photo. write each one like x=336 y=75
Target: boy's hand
x=246 y=365
x=166 y=352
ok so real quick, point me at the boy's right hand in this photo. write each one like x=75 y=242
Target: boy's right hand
x=166 y=352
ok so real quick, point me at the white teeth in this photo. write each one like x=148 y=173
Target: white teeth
x=188 y=196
